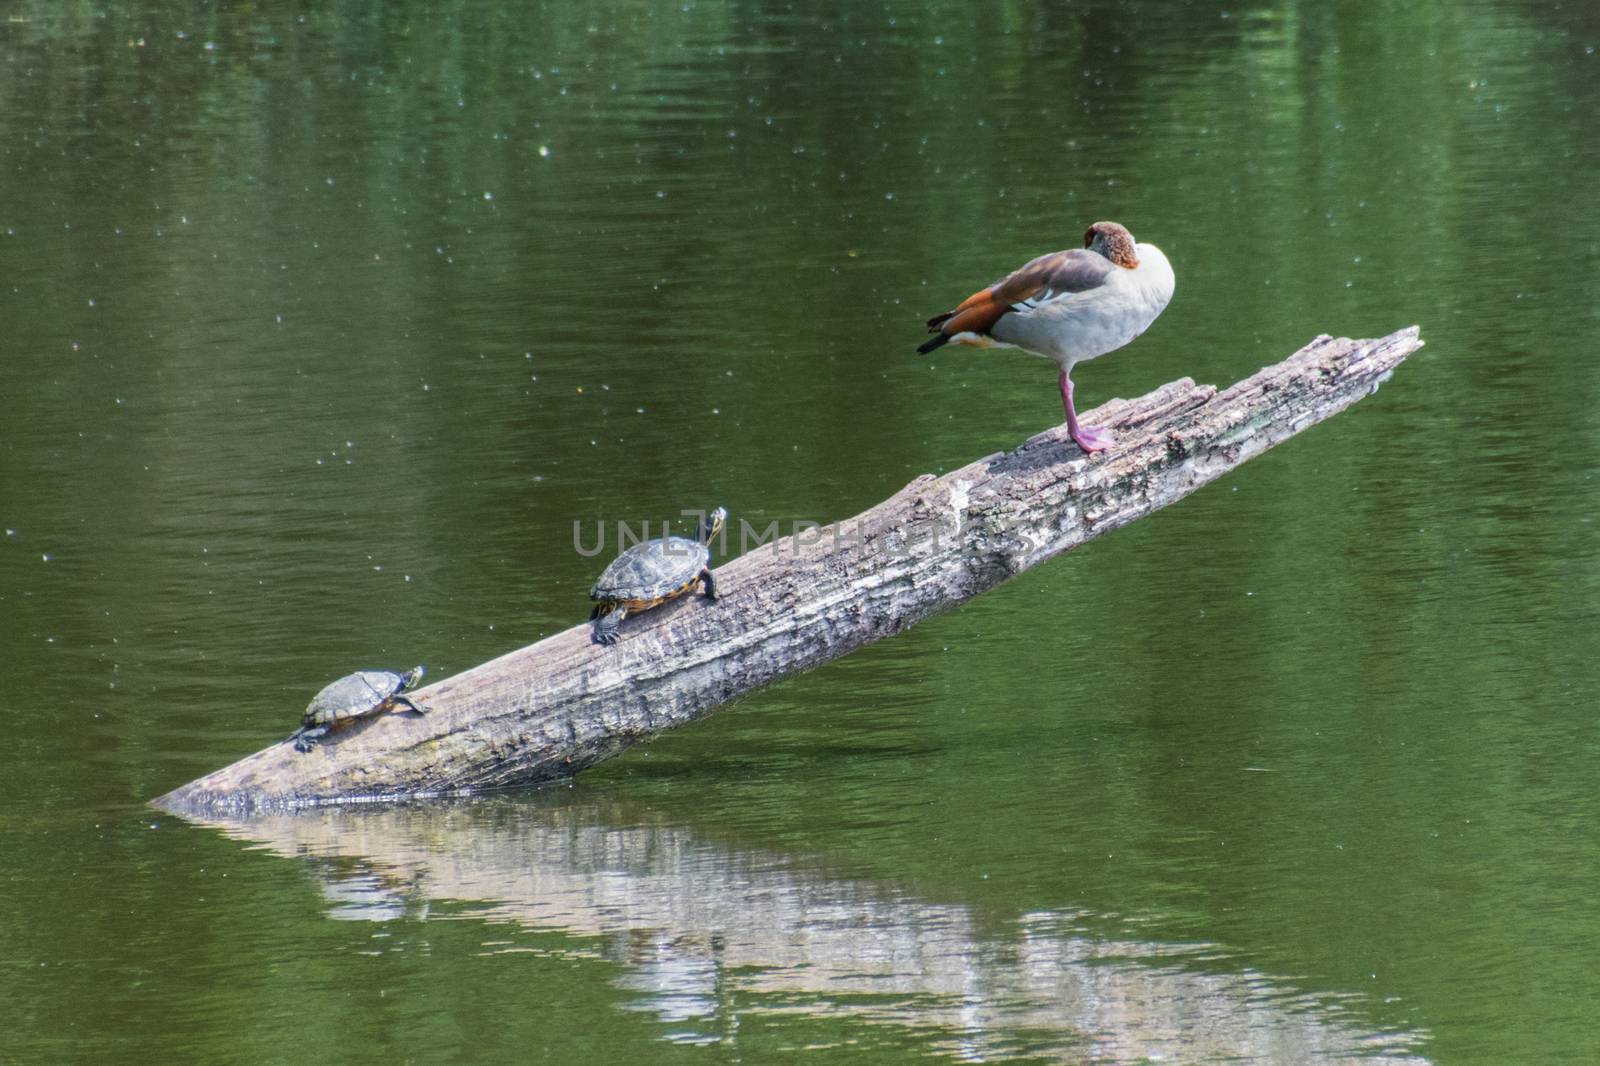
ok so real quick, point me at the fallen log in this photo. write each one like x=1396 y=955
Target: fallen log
x=549 y=710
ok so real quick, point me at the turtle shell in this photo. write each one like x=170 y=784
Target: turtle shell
x=652 y=570
x=353 y=696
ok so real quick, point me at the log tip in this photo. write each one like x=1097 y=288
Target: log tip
x=243 y=786
x=187 y=801
x=1397 y=347
x=181 y=802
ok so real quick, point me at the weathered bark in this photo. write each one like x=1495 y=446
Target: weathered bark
x=549 y=710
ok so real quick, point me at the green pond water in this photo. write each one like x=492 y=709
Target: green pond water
x=324 y=323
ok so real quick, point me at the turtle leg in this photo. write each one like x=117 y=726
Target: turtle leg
x=606 y=629
x=409 y=702
x=307 y=738
x=709 y=582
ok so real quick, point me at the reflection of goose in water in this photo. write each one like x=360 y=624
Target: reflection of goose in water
x=698 y=927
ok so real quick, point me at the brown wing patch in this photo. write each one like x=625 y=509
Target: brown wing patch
x=976 y=314
x=1048 y=276
x=1056 y=274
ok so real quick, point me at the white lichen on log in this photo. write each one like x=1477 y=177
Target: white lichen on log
x=546 y=711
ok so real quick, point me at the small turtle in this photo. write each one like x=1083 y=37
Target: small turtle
x=649 y=574
x=353 y=696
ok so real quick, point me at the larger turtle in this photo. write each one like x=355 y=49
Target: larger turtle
x=357 y=695
x=649 y=574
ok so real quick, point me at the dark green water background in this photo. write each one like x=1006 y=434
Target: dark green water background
x=323 y=323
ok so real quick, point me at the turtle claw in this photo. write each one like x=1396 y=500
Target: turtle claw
x=306 y=739
x=608 y=625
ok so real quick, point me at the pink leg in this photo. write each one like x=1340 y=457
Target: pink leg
x=1089 y=438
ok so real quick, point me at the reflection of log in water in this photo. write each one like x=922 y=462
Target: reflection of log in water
x=551 y=709
x=695 y=924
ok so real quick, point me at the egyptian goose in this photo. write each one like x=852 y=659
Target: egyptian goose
x=1067 y=306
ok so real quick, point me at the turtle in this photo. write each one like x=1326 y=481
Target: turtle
x=649 y=574
x=357 y=695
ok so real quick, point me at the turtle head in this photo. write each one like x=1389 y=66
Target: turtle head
x=412 y=677
x=712 y=526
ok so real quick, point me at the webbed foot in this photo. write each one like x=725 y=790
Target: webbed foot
x=1092 y=438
